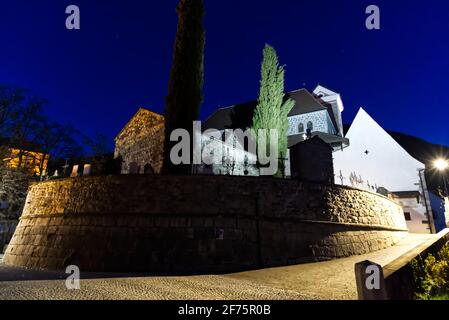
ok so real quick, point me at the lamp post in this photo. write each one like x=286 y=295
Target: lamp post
x=442 y=165
x=429 y=212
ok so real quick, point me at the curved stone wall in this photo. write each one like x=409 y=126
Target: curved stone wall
x=197 y=224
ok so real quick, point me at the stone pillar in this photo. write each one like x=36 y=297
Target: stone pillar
x=370 y=281
x=74 y=171
x=87 y=170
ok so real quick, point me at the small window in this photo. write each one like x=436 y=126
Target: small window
x=408 y=217
x=425 y=222
x=301 y=128
x=310 y=126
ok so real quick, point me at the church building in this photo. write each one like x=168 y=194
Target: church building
x=366 y=158
x=315 y=114
x=376 y=162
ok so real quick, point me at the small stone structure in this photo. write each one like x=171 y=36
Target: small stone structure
x=197 y=224
x=311 y=161
x=140 y=144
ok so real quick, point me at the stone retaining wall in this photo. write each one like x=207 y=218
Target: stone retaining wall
x=197 y=224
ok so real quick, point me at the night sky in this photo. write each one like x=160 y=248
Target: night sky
x=95 y=79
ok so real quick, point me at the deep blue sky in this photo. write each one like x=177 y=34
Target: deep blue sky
x=96 y=78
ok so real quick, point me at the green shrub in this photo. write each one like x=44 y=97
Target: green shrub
x=431 y=275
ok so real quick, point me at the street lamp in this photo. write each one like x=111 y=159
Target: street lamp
x=429 y=213
x=442 y=165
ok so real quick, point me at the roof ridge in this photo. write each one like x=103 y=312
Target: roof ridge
x=134 y=115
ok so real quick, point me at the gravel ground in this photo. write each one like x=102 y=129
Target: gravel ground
x=332 y=280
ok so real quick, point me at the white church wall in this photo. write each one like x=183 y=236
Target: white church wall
x=335 y=100
x=330 y=126
x=228 y=158
x=376 y=158
x=318 y=119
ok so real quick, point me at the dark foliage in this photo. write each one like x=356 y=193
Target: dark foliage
x=185 y=94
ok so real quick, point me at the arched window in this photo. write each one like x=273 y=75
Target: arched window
x=310 y=126
x=301 y=128
x=133 y=168
x=148 y=169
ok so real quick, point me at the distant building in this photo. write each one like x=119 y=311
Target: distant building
x=375 y=161
x=415 y=210
x=27 y=157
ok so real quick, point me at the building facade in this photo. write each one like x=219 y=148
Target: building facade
x=315 y=114
x=140 y=143
x=376 y=162
x=33 y=162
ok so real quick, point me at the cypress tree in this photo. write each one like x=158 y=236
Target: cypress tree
x=185 y=94
x=272 y=110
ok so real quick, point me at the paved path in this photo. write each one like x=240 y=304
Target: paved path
x=324 y=280
x=330 y=280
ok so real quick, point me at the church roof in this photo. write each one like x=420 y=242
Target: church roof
x=406 y=194
x=241 y=115
x=332 y=140
x=377 y=157
x=139 y=112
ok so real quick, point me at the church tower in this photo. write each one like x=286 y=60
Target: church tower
x=334 y=99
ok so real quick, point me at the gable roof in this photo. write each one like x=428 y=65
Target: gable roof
x=241 y=115
x=332 y=140
x=140 y=111
x=406 y=194
x=377 y=157
x=324 y=91
x=305 y=102
x=364 y=124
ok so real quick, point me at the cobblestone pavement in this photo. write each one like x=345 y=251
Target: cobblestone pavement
x=325 y=280
x=330 y=280
x=149 y=288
